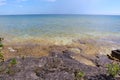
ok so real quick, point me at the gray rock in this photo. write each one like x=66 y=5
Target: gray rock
x=57 y=66
x=102 y=61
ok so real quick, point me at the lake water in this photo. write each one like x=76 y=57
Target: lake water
x=104 y=27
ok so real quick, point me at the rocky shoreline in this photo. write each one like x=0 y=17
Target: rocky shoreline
x=79 y=61
x=56 y=66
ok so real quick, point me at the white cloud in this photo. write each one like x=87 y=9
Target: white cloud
x=2 y=2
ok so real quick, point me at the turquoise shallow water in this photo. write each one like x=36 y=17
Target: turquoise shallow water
x=24 y=26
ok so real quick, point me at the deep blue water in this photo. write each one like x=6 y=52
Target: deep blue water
x=60 y=25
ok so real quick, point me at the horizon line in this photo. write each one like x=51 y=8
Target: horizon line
x=61 y=14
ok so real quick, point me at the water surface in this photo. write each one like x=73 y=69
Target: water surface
x=104 y=27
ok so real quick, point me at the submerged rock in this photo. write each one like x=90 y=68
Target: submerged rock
x=75 y=50
x=11 y=49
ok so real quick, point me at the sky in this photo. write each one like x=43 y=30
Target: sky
x=105 y=7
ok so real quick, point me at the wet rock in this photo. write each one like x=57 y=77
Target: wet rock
x=116 y=54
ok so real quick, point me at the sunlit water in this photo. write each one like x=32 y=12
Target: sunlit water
x=106 y=28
